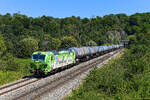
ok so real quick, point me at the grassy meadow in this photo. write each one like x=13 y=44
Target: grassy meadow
x=13 y=69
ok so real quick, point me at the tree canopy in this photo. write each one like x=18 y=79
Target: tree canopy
x=27 y=46
x=70 y=31
x=2 y=45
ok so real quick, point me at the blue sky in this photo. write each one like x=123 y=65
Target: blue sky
x=67 y=8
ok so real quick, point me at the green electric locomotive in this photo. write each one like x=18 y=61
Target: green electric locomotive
x=45 y=62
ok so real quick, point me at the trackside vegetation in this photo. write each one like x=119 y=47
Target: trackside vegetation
x=21 y=35
x=12 y=69
x=125 y=78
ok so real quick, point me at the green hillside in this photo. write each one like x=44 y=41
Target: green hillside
x=20 y=35
x=125 y=78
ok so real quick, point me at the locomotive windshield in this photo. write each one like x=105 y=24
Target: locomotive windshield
x=38 y=57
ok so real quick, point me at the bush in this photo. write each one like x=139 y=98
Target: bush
x=68 y=42
x=51 y=44
x=26 y=47
x=8 y=63
x=2 y=45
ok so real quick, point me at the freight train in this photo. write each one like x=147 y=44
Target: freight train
x=44 y=62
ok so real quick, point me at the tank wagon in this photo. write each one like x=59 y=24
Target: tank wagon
x=45 y=62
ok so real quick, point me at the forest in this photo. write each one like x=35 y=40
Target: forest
x=20 y=35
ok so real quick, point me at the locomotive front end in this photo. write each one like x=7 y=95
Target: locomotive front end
x=38 y=63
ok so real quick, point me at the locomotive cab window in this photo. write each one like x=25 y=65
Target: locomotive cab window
x=37 y=57
x=42 y=57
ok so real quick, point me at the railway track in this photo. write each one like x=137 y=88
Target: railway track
x=15 y=85
x=65 y=79
x=34 y=88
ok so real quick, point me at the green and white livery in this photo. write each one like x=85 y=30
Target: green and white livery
x=45 y=62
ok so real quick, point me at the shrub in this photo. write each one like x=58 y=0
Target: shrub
x=2 y=45
x=68 y=42
x=27 y=46
x=9 y=63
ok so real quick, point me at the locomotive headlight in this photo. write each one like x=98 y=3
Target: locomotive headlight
x=45 y=65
